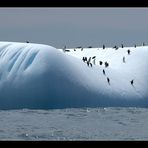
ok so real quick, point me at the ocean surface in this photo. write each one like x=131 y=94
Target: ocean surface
x=113 y=123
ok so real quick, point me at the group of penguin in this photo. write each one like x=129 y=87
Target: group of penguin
x=106 y=63
x=88 y=60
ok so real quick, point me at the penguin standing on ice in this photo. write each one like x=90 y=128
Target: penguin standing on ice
x=83 y=59
x=108 y=80
x=103 y=71
x=106 y=64
x=128 y=51
x=115 y=47
x=143 y=44
x=94 y=61
x=132 y=82
x=123 y=59
x=100 y=62
x=90 y=64
x=64 y=48
x=89 y=60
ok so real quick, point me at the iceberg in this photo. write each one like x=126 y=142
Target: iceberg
x=38 y=76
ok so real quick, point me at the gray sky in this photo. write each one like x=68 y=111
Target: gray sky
x=75 y=26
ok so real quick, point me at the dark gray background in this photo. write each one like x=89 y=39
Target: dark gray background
x=75 y=26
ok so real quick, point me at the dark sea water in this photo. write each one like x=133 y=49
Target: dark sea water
x=75 y=124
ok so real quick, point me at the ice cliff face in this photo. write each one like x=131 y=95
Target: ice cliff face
x=41 y=76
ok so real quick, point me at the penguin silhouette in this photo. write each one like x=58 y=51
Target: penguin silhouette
x=108 y=80
x=132 y=82
x=128 y=51
x=123 y=59
x=103 y=71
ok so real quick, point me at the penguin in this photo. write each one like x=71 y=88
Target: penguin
x=128 y=51
x=132 y=82
x=123 y=59
x=103 y=71
x=108 y=80
x=100 y=62
x=93 y=57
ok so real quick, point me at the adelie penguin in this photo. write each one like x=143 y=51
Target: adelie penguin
x=132 y=82
x=108 y=80
x=143 y=44
x=93 y=57
x=90 y=64
x=123 y=59
x=115 y=47
x=103 y=71
x=106 y=64
x=64 y=48
x=100 y=62
x=87 y=63
x=84 y=59
x=128 y=51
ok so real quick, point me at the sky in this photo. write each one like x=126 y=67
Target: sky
x=75 y=26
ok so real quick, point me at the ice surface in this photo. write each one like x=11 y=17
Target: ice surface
x=41 y=76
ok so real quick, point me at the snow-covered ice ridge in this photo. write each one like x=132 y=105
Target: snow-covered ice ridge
x=43 y=77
